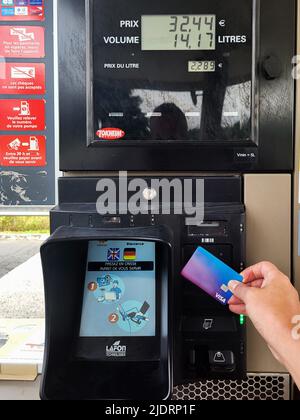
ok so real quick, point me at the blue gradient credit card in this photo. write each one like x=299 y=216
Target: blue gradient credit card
x=211 y=275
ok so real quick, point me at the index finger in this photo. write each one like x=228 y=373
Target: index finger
x=258 y=271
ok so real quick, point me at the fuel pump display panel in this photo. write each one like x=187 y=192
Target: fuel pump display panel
x=176 y=86
x=169 y=72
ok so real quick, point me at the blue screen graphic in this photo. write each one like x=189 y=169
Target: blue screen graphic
x=119 y=292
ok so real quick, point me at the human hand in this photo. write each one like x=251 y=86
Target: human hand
x=271 y=302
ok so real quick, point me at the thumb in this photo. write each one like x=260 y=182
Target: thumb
x=240 y=290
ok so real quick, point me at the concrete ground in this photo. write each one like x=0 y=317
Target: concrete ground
x=21 y=296
x=19 y=391
x=21 y=279
x=14 y=252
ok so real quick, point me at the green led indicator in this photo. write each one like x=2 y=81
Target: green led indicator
x=242 y=319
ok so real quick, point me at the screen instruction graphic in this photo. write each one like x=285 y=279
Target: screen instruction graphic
x=119 y=296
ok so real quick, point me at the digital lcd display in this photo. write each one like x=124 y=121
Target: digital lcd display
x=183 y=74
x=202 y=66
x=179 y=32
x=119 y=292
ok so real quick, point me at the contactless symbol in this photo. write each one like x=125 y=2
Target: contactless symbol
x=92 y=287
x=113 y=318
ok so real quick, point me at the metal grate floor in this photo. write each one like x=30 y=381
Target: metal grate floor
x=256 y=387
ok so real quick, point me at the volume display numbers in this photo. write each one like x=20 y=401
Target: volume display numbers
x=179 y=32
x=184 y=28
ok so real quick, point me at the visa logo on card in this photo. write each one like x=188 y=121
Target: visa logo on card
x=211 y=275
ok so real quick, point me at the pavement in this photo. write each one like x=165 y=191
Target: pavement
x=15 y=251
x=21 y=297
x=20 y=391
x=21 y=278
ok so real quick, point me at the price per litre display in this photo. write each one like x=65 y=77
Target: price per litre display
x=202 y=66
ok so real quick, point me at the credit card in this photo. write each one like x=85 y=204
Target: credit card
x=211 y=275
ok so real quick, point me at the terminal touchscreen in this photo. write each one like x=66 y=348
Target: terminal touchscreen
x=119 y=292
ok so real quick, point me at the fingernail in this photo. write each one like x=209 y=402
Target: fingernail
x=233 y=285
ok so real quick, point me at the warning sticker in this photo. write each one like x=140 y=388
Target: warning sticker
x=22 y=41
x=22 y=151
x=19 y=78
x=22 y=10
x=27 y=115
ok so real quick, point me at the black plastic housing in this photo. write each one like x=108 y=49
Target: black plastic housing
x=272 y=147
x=67 y=376
x=184 y=310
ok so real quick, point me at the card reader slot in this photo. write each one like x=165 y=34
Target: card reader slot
x=209 y=229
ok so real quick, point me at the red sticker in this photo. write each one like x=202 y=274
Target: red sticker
x=22 y=115
x=22 y=42
x=19 y=10
x=23 y=151
x=110 y=133
x=22 y=78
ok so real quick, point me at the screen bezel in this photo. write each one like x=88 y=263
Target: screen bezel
x=253 y=142
x=146 y=348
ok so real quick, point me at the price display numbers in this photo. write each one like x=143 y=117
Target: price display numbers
x=179 y=32
x=193 y=32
